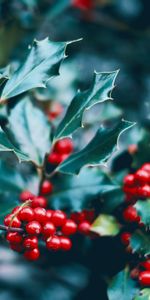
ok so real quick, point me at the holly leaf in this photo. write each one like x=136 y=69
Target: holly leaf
x=143 y=209
x=30 y=129
x=79 y=192
x=7 y=203
x=98 y=151
x=122 y=286
x=106 y=225
x=140 y=242
x=143 y=295
x=41 y=64
x=100 y=91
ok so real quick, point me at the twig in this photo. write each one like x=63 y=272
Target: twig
x=11 y=229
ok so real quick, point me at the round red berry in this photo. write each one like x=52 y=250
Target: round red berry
x=66 y=243
x=26 y=195
x=146 y=167
x=30 y=242
x=14 y=237
x=84 y=227
x=53 y=243
x=46 y=187
x=144 y=191
x=56 y=110
x=16 y=247
x=130 y=214
x=58 y=218
x=131 y=191
x=64 y=146
x=39 y=201
x=15 y=223
x=32 y=254
x=146 y=264
x=26 y=214
x=69 y=227
x=82 y=4
x=48 y=229
x=16 y=209
x=49 y=213
x=54 y=158
x=125 y=238
x=129 y=180
x=40 y=215
x=33 y=228
x=144 y=278
x=142 y=176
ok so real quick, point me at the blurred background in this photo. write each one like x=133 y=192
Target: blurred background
x=116 y=35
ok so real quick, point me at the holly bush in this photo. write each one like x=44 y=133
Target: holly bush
x=75 y=167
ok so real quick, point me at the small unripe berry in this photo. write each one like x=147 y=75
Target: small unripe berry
x=32 y=254
x=46 y=187
x=39 y=201
x=40 y=215
x=48 y=229
x=84 y=227
x=15 y=223
x=125 y=238
x=30 y=242
x=69 y=227
x=53 y=243
x=14 y=237
x=64 y=146
x=26 y=214
x=144 y=278
x=33 y=228
x=55 y=111
x=66 y=243
x=58 y=218
x=130 y=214
x=26 y=195
x=129 y=180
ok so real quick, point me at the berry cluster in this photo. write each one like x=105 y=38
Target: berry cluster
x=136 y=186
x=32 y=221
x=61 y=150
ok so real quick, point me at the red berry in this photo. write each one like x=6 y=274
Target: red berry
x=125 y=238
x=49 y=213
x=58 y=218
x=26 y=214
x=15 y=223
x=146 y=167
x=130 y=214
x=16 y=247
x=146 y=264
x=39 y=202
x=82 y=4
x=63 y=157
x=53 y=243
x=129 y=180
x=30 y=242
x=48 y=229
x=46 y=187
x=14 y=237
x=69 y=227
x=32 y=254
x=84 y=227
x=132 y=149
x=33 y=227
x=134 y=274
x=56 y=110
x=26 y=195
x=54 y=158
x=89 y=215
x=142 y=176
x=144 y=278
x=16 y=209
x=66 y=243
x=144 y=191
x=40 y=214
x=64 y=146
x=131 y=191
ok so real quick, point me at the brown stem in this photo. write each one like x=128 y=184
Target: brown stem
x=11 y=229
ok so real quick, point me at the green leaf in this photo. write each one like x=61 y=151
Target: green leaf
x=112 y=199
x=143 y=295
x=122 y=287
x=41 y=64
x=140 y=242
x=106 y=225
x=143 y=209
x=98 y=151
x=6 y=145
x=79 y=192
x=100 y=91
x=4 y=74
x=30 y=128
x=6 y=206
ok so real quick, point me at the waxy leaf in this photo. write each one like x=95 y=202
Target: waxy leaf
x=100 y=91
x=122 y=287
x=140 y=242
x=30 y=129
x=41 y=64
x=143 y=209
x=79 y=192
x=143 y=295
x=98 y=151
x=106 y=225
